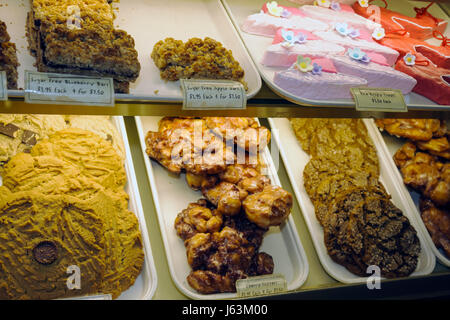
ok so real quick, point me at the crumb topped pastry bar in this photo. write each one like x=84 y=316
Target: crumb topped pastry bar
x=195 y=58
x=8 y=57
x=78 y=37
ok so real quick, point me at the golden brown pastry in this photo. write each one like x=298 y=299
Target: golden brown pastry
x=437 y=221
x=414 y=129
x=269 y=207
x=424 y=173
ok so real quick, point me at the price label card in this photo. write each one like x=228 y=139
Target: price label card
x=213 y=94
x=53 y=88
x=3 y=86
x=261 y=285
x=379 y=99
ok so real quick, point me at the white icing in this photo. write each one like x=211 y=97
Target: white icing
x=276 y=55
x=331 y=17
x=265 y=24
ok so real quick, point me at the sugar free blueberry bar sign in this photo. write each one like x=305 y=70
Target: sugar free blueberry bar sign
x=52 y=88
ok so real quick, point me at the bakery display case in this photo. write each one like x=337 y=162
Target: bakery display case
x=337 y=110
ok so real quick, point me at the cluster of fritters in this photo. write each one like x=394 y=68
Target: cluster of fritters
x=424 y=163
x=8 y=57
x=78 y=37
x=63 y=205
x=222 y=231
x=362 y=227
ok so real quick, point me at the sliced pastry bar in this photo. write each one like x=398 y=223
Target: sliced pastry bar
x=288 y=44
x=8 y=57
x=340 y=14
x=432 y=82
x=377 y=75
x=309 y=80
x=273 y=16
x=88 y=45
x=419 y=27
x=350 y=38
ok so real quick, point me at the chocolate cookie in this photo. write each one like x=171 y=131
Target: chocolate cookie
x=365 y=228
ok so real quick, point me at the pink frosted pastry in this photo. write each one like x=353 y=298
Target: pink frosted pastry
x=302 y=2
x=350 y=38
x=342 y=15
x=272 y=17
x=379 y=76
x=307 y=80
x=288 y=44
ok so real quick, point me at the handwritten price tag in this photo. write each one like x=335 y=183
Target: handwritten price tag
x=261 y=285
x=379 y=99
x=213 y=94
x=3 y=86
x=53 y=88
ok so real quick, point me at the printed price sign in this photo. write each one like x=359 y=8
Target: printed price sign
x=261 y=285
x=53 y=88
x=213 y=94
x=379 y=99
x=3 y=86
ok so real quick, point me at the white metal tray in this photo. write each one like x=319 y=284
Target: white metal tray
x=171 y=195
x=256 y=45
x=391 y=145
x=145 y=285
x=295 y=159
x=148 y=22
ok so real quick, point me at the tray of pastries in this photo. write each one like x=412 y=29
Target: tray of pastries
x=358 y=212
x=71 y=219
x=420 y=152
x=222 y=212
x=103 y=38
x=314 y=52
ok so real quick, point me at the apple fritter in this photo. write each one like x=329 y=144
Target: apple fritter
x=414 y=129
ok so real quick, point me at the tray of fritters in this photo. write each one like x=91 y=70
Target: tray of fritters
x=420 y=149
x=359 y=217
x=222 y=212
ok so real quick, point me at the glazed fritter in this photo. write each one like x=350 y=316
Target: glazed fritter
x=437 y=222
x=414 y=129
x=424 y=173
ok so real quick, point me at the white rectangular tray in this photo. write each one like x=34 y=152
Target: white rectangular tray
x=256 y=45
x=145 y=286
x=148 y=22
x=391 y=145
x=171 y=195
x=295 y=159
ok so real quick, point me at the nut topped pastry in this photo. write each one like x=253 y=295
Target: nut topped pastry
x=197 y=59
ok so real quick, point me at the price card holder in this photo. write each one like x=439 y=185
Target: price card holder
x=261 y=285
x=213 y=94
x=54 y=88
x=3 y=86
x=379 y=99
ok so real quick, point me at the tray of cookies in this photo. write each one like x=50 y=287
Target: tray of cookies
x=84 y=38
x=360 y=217
x=419 y=153
x=69 y=188
x=313 y=52
x=222 y=212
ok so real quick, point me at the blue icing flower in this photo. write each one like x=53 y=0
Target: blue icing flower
x=335 y=6
x=354 y=33
x=288 y=35
x=317 y=69
x=342 y=28
x=357 y=54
